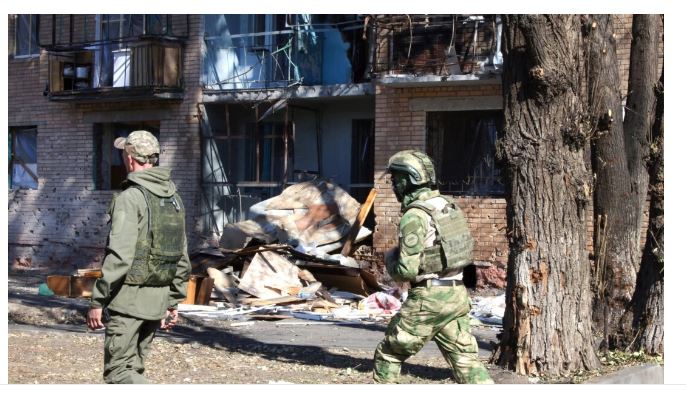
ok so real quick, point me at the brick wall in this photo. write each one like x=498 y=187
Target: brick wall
x=399 y=128
x=62 y=224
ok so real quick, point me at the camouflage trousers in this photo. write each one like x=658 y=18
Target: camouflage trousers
x=127 y=342
x=439 y=313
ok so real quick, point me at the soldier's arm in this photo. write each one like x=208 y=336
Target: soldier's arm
x=177 y=290
x=413 y=228
x=121 y=247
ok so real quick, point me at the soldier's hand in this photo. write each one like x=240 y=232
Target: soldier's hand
x=94 y=318
x=170 y=319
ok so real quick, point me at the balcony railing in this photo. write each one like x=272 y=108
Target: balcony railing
x=279 y=59
x=132 y=68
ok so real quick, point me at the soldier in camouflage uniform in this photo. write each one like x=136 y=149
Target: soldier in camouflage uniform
x=435 y=245
x=146 y=267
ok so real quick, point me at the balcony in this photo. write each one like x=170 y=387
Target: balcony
x=452 y=47
x=140 y=69
x=297 y=55
x=115 y=57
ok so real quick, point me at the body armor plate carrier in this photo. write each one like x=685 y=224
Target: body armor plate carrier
x=158 y=254
x=452 y=249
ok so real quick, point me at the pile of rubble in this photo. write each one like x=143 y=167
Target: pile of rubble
x=294 y=257
x=291 y=258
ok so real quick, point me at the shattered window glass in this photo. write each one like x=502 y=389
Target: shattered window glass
x=23 y=158
x=462 y=145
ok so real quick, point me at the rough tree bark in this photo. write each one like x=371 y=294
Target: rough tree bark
x=643 y=326
x=619 y=158
x=547 y=323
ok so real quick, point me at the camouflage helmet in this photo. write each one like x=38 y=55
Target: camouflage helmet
x=416 y=164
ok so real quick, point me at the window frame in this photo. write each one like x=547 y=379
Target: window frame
x=34 y=34
x=12 y=139
x=487 y=116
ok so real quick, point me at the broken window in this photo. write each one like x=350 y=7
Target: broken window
x=246 y=51
x=362 y=159
x=362 y=163
x=110 y=171
x=26 y=35
x=23 y=170
x=243 y=164
x=462 y=145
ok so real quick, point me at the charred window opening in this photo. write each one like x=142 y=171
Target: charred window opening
x=109 y=170
x=362 y=158
x=463 y=146
x=442 y=44
x=23 y=151
x=362 y=163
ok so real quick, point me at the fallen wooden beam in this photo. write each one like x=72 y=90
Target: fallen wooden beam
x=361 y=216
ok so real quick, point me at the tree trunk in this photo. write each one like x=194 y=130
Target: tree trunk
x=547 y=323
x=614 y=277
x=619 y=163
x=643 y=326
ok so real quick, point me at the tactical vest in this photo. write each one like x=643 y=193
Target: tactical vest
x=452 y=249
x=158 y=253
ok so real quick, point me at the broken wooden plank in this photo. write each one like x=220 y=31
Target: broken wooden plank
x=361 y=216
x=94 y=273
x=204 y=291
x=191 y=290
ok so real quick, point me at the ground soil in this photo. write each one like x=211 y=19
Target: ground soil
x=48 y=343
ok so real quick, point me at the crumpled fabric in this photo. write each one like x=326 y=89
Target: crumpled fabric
x=381 y=300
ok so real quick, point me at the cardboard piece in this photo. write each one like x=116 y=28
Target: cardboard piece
x=269 y=269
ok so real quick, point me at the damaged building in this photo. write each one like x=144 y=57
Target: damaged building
x=246 y=106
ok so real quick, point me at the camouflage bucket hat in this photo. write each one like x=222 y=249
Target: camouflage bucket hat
x=141 y=145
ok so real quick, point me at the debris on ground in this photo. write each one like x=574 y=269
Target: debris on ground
x=489 y=309
x=293 y=258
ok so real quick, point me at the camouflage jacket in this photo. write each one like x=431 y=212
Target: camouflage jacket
x=416 y=234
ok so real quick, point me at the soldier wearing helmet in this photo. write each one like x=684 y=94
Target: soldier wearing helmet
x=435 y=245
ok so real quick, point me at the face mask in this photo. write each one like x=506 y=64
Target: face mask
x=399 y=182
